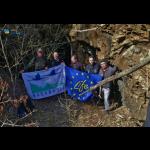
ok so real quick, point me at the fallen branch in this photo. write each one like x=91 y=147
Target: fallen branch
x=13 y=125
x=86 y=30
x=92 y=29
x=123 y=73
x=24 y=117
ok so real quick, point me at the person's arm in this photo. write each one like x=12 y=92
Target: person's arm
x=46 y=64
x=81 y=67
x=52 y=63
x=63 y=62
x=97 y=68
x=86 y=69
x=114 y=70
x=101 y=73
x=29 y=64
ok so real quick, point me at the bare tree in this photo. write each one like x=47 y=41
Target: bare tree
x=17 y=48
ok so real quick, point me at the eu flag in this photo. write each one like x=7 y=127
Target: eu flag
x=78 y=84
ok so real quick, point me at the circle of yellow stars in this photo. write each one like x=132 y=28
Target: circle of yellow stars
x=73 y=77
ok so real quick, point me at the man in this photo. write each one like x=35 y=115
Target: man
x=39 y=62
x=92 y=67
x=75 y=63
x=107 y=71
x=56 y=60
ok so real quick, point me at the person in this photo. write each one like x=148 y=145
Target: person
x=92 y=67
x=107 y=71
x=56 y=59
x=39 y=62
x=75 y=63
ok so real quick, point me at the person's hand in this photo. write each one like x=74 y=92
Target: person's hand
x=22 y=71
x=100 y=96
x=46 y=68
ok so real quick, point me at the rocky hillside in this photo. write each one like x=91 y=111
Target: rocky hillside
x=125 y=45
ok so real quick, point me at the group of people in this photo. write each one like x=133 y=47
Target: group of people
x=40 y=62
x=104 y=68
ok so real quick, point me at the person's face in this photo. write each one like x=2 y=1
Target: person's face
x=56 y=55
x=39 y=54
x=104 y=65
x=73 y=59
x=91 y=61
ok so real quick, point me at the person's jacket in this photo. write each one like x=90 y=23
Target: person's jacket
x=37 y=63
x=55 y=62
x=77 y=66
x=93 y=68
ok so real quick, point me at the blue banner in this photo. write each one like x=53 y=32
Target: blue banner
x=45 y=83
x=78 y=84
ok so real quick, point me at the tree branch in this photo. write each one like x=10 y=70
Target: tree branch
x=123 y=73
x=86 y=30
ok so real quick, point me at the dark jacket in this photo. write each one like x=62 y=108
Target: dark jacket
x=37 y=63
x=56 y=62
x=107 y=73
x=77 y=66
x=93 y=68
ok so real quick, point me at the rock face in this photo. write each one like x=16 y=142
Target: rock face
x=125 y=45
x=95 y=38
